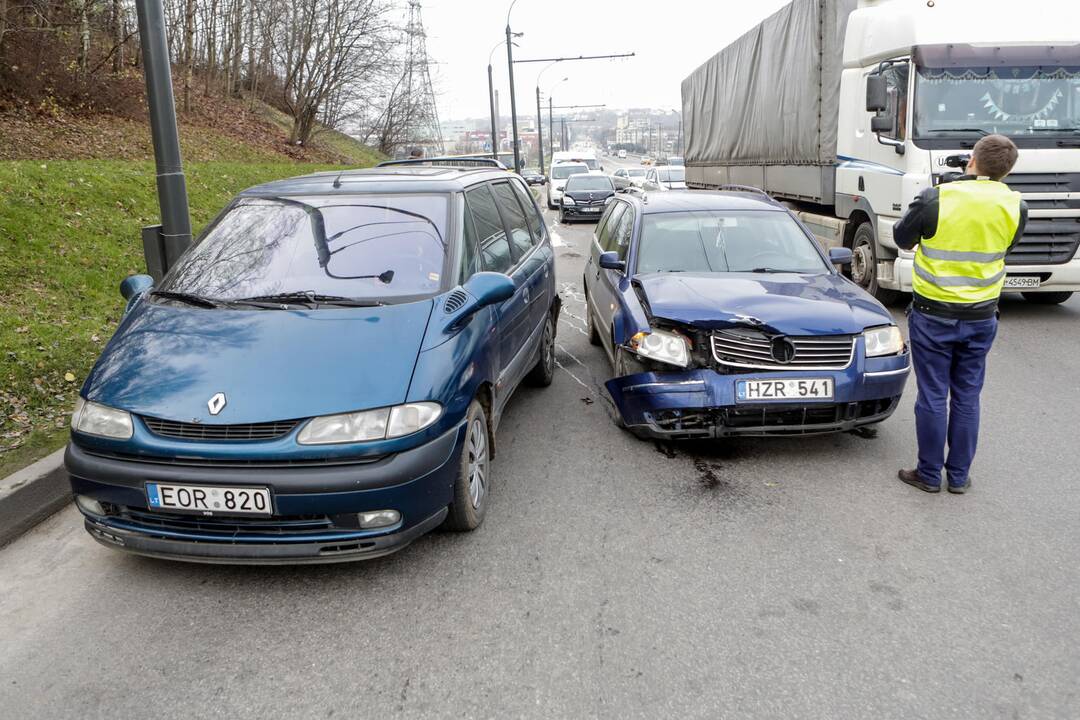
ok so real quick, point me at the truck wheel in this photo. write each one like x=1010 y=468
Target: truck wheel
x=864 y=264
x=473 y=483
x=1047 y=298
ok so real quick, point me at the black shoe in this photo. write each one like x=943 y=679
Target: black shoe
x=912 y=478
x=960 y=489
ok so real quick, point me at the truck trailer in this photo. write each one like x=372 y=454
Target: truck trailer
x=847 y=109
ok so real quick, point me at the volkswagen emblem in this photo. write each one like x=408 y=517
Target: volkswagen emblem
x=783 y=350
x=217 y=403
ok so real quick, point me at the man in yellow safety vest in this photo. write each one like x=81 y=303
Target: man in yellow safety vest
x=963 y=230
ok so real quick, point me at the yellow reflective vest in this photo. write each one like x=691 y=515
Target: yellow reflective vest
x=964 y=262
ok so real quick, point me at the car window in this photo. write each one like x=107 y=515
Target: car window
x=469 y=261
x=620 y=236
x=563 y=171
x=520 y=236
x=603 y=237
x=531 y=216
x=495 y=252
x=589 y=183
x=672 y=174
x=620 y=173
x=378 y=247
x=717 y=241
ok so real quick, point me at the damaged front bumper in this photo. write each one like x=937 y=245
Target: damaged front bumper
x=701 y=403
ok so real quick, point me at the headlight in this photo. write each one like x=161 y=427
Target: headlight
x=567 y=200
x=885 y=340
x=95 y=419
x=662 y=345
x=366 y=425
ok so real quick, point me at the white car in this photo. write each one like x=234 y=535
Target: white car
x=665 y=177
x=636 y=176
x=559 y=172
x=622 y=154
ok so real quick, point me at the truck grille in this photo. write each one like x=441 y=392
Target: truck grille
x=1047 y=240
x=753 y=349
x=235 y=433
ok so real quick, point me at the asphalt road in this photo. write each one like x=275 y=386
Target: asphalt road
x=613 y=578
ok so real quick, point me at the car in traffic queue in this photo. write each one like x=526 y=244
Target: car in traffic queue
x=559 y=173
x=320 y=377
x=622 y=154
x=634 y=175
x=585 y=197
x=533 y=176
x=665 y=177
x=721 y=315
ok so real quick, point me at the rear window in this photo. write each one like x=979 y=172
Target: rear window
x=589 y=183
x=671 y=174
x=561 y=172
x=336 y=245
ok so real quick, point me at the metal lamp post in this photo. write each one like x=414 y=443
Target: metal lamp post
x=491 y=103
x=513 y=103
x=539 y=117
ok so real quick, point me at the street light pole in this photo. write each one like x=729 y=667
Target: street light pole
x=491 y=102
x=551 y=126
x=513 y=104
x=539 y=131
x=165 y=243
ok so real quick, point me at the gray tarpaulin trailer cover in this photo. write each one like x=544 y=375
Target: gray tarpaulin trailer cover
x=770 y=100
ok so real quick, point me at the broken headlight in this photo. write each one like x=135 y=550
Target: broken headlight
x=663 y=346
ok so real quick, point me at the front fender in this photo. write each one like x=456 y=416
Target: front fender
x=630 y=318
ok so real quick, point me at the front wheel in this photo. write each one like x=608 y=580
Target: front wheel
x=473 y=483
x=590 y=324
x=544 y=371
x=864 y=264
x=1047 y=298
x=562 y=217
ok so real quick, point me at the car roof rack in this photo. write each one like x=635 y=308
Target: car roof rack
x=746 y=189
x=447 y=161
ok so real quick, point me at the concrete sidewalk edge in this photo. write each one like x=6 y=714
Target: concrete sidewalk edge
x=32 y=494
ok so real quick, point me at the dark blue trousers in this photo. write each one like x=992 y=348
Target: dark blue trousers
x=950 y=365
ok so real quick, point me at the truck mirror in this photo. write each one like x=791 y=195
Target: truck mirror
x=881 y=124
x=877 y=93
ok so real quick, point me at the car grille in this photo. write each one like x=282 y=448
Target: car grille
x=1047 y=240
x=279 y=525
x=231 y=462
x=235 y=433
x=753 y=349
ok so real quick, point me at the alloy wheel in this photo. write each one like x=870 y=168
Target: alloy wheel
x=477 y=447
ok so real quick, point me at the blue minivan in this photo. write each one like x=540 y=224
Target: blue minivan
x=320 y=376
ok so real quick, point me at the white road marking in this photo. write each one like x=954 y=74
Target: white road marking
x=576 y=378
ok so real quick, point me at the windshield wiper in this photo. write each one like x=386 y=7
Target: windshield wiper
x=1073 y=130
x=981 y=131
x=773 y=270
x=305 y=298
x=189 y=298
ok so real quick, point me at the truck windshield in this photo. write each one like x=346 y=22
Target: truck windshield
x=376 y=248
x=726 y=241
x=1023 y=100
x=561 y=172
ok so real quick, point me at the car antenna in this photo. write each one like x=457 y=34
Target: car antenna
x=337 y=180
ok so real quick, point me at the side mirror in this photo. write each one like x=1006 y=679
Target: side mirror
x=877 y=93
x=135 y=285
x=840 y=256
x=881 y=124
x=488 y=288
x=610 y=261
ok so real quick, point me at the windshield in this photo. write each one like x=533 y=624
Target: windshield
x=636 y=172
x=716 y=241
x=561 y=172
x=1023 y=92
x=335 y=246
x=671 y=174
x=589 y=183
x=592 y=163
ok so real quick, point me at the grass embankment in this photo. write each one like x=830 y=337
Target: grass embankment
x=69 y=233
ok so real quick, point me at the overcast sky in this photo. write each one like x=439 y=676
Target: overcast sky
x=670 y=37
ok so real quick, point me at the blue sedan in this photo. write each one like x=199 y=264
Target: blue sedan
x=319 y=378
x=722 y=316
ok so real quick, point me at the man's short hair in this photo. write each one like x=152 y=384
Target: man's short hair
x=995 y=155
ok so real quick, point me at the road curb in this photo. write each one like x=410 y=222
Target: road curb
x=32 y=494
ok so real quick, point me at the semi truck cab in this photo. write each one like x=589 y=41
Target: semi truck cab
x=921 y=83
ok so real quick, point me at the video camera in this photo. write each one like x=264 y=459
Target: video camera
x=960 y=161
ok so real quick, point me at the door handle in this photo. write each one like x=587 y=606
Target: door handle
x=525 y=292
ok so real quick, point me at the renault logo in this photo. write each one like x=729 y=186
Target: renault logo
x=783 y=350
x=216 y=404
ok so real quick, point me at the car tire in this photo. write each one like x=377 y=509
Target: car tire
x=1047 y=298
x=562 y=217
x=551 y=205
x=590 y=324
x=864 y=264
x=472 y=486
x=544 y=371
